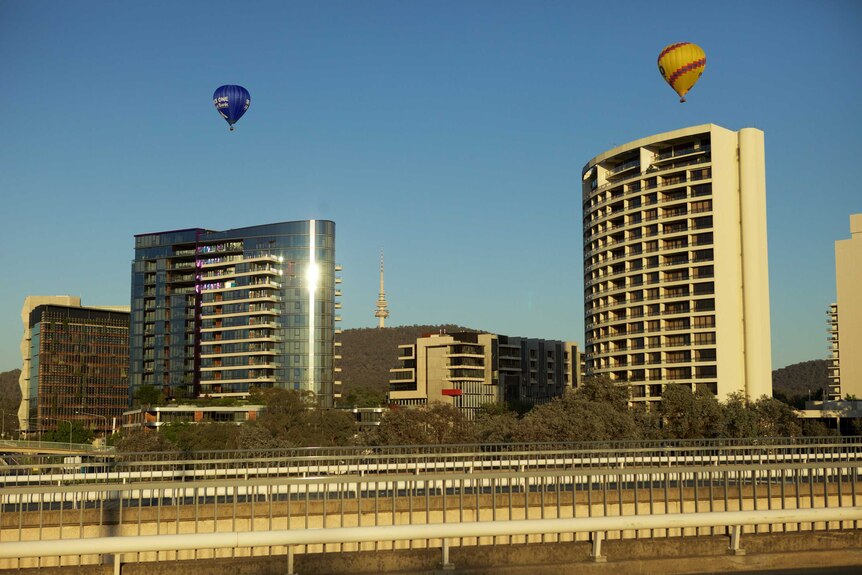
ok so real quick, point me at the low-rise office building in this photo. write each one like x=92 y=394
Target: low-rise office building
x=153 y=417
x=468 y=370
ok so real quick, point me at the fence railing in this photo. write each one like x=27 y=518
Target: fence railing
x=79 y=523
x=168 y=466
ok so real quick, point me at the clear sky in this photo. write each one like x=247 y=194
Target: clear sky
x=449 y=133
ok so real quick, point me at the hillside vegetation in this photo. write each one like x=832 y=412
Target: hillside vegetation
x=793 y=384
x=367 y=354
x=10 y=398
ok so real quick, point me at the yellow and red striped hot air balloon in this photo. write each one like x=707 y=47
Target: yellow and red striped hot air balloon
x=681 y=65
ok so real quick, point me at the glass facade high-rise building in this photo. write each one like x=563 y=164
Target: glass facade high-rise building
x=217 y=313
x=676 y=288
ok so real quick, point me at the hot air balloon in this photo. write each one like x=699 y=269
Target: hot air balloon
x=231 y=102
x=681 y=65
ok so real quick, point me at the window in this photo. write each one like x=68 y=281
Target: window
x=678 y=356
x=704 y=338
x=701 y=206
x=678 y=373
x=676 y=340
x=676 y=324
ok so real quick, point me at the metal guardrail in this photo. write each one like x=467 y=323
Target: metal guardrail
x=595 y=526
x=20 y=446
x=128 y=468
x=67 y=518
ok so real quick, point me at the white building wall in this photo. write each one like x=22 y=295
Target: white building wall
x=848 y=281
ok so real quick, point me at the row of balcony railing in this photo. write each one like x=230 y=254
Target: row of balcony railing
x=592 y=217
x=707 y=338
x=695 y=225
x=639 y=349
x=590 y=296
x=639 y=300
x=674 y=261
x=670 y=277
x=595 y=321
x=628 y=166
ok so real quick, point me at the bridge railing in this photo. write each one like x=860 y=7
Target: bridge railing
x=168 y=466
x=266 y=505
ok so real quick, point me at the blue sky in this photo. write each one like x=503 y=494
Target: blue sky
x=449 y=133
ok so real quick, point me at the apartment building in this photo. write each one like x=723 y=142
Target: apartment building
x=676 y=289
x=471 y=369
x=845 y=317
x=75 y=365
x=216 y=313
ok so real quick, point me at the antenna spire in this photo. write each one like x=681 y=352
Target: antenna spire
x=382 y=305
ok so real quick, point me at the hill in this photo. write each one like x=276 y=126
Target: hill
x=367 y=354
x=10 y=398
x=794 y=382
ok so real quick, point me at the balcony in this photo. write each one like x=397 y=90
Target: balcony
x=624 y=167
x=680 y=152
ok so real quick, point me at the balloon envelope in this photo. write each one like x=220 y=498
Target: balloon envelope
x=681 y=65
x=231 y=102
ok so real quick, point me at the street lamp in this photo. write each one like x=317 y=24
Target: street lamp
x=95 y=415
x=3 y=426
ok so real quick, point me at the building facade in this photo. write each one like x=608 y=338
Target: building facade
x=75 y=365
x=154 y=417
x=216 y=313
x=469 y=370
x=676 y=290
x=845 y=317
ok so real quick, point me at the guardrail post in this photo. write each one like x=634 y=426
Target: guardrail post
x=290 y=570
x=447 y=566
x=118 y=564
x=596 y=555
x=735 y=535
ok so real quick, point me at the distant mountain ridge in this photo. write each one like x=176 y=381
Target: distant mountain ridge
x=10 y=396
x=795 y=383
x=369 y=353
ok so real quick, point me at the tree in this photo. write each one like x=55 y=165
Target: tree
x=292 y=420
x=141 y=441
x=69 y=432
x=596 y=411
x=328 y=428
x=147 y=395
x=739 y=419
x=279 y=422
x=815 y=428
x=496 y=423
x=363 y=397
x=687 y=415
x=437 y=423
x=776 y=419
x=647 y=421
x=192 y=437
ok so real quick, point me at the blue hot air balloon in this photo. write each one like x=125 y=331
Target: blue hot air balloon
x=231 y=102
